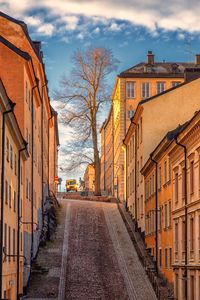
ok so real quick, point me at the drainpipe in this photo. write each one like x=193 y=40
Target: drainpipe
x=18 y=215
x=42 y=152
x=186 y=213
x=104 y=178
x=48 y=150
x=32 y=177
x=156 y=209
x=135 y=170
x=2 y=194
x=126 y=203
x=113 y=149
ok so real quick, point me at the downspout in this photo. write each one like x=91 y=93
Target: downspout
x=126 y=168
x=42 y=152
x=2 y=194
x=18 y=215
x=135 y=170
x=113 y=149
x=156 y=209
x=32 y=177
x=49 y=151
x=54 y=155
x=186 y=213
x=104 y=178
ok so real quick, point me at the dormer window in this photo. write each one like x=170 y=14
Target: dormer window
x=174 y=68
x=148 y=68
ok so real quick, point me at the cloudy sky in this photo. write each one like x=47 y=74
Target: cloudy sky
x=129 y=28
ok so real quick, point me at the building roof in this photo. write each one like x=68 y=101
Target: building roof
x=12 y=47
x=157 y=69
x=171 y=135
x=25 y=30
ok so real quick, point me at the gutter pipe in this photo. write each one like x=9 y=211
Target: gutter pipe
x=2 y=195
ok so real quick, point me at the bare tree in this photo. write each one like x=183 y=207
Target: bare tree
x=83 y=96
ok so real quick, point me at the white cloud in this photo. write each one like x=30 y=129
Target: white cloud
x=181 y=36
x=46 y=29
x=71 y=22
x=170 y=15
x=96 y=30
x=115 y=27
x=39 y=25
x=32 y=21
x=80 y=35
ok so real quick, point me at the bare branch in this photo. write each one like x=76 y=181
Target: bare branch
x=82 y=96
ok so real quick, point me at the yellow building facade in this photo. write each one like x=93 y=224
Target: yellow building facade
x=144 y=135
x=140 y=82
x=107 y=155
x=89 y=178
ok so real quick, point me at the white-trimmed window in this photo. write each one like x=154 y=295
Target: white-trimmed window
x=7 y=149
x=175 y=83
x=27 y=94
x=145 y=91
x=15 y=164
x=10 y=196
x=165 y=171
x=11 y=157
x=165 y=215
x=130 y=114
x=159 y=178
x=130 y=89
x=176 y=191
x=160 y=87
x=176 y=237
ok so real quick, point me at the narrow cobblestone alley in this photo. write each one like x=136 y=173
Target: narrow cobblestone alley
x=98 y=258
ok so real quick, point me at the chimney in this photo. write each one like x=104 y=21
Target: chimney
x=197 y=62
x=150 y=58
x=191 y=74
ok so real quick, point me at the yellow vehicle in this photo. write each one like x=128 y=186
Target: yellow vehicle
x=71 y=185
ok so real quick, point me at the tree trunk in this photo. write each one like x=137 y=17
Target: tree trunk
x=97 y=166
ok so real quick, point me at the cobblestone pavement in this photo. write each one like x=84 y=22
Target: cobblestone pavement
x=101 y=260
x=98 y=258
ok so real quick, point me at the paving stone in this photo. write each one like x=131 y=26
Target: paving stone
x=54 y=272
x=91 y=257
x=54 y=250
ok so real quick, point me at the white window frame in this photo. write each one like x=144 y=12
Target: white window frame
x=130 y=89
x=160 y=87
x=145 y=90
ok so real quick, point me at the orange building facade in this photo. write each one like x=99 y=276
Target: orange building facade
x=172 y=184
x=26 y=85
x=185 y=168
x=12 y=197
x=158 y=205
